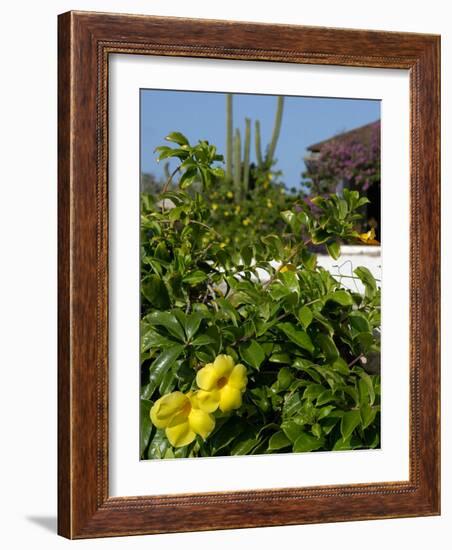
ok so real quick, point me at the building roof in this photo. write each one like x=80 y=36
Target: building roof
x=363 y=134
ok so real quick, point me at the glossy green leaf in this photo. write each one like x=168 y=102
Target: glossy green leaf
x=253 y=354
x=306 y=442
x=154 y=290
x=305 y=316
x=341 y=297
x=350 y=420
x=159 y=367
x=278 y=441
x=145 y=424
x=167 y=320
x=327 y=345
x=299 y=337
x=177 y=137
x=334 y=249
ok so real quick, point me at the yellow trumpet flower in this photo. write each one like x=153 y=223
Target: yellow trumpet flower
x=369 y=237
x=181 y=417
x=287 y=267
x=221 y=384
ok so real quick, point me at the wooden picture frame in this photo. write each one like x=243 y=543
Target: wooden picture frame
x=86 y=40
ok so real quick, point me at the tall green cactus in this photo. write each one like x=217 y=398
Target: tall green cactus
x=276 y=131
x=229 y=139
x=246 y=156
x=237 y=164
x=257 y=140
x=235 y=172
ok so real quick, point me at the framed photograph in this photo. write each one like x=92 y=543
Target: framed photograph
x=248 y=275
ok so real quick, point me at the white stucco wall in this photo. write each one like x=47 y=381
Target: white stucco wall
x=351 y=258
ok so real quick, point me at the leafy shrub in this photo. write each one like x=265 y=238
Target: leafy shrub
x=297 y=341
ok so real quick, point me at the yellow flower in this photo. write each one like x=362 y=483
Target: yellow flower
x=230 y=194
x=287 y=267
x=246 y=222
x=222 y=384
x=181 y=417
x=369 y=237
x=214 y=206
x=269 y=203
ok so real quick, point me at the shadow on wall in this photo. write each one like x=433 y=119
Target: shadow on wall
x=49 y=523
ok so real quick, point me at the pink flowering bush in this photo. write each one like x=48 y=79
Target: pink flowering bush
x=356 y=163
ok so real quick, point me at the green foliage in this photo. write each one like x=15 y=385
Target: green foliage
x=263 y=300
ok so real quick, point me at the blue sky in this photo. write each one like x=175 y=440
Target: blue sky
x=202 y=115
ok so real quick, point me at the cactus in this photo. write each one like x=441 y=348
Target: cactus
x=246 y=156
x=276 y=130
x=229 y=126
x=235 y=172
x=257 y=139
x=237 y=164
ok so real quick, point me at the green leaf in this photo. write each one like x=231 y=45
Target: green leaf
x=203 y=340
x=343 y=444
x=327 y=345
x=309 y=259
x=368 y=415
x=366 y=389
x=313 y=391
x=228 y=309
x=359 y=321
x=159 y=367
x=291 y=429
x=305 y=316
x=169 y=321
x=225 y=434
x=341 y=297
x=306 y=442
x=154 y=290
x=278 y=441
x=299 y=337
x=253 y=354
x=290 y=281
x=188 y=177
x=367 y=279
x=177 y=137
x=192 y=324
x=334 y=250
x=245 y=443
x=194 y=278
x=317 y=430
x=158 y=445
x=145 y=424
x=325 y=397
x=280 y=358
x=366 y=341
x=292 y=405
x=285 y=378
x=340 y=366
x=150 y=338
x=350 y=420
x=168 y=382
x=319 y=236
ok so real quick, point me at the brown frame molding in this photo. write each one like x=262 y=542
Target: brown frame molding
x=84 y=43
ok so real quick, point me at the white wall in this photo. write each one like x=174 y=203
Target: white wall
x=28 y=270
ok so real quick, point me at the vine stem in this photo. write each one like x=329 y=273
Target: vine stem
x=356 y=359
x=286 y=262
x=169 y=180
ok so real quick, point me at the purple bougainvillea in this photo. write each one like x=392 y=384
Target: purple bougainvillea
x=351 y=159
